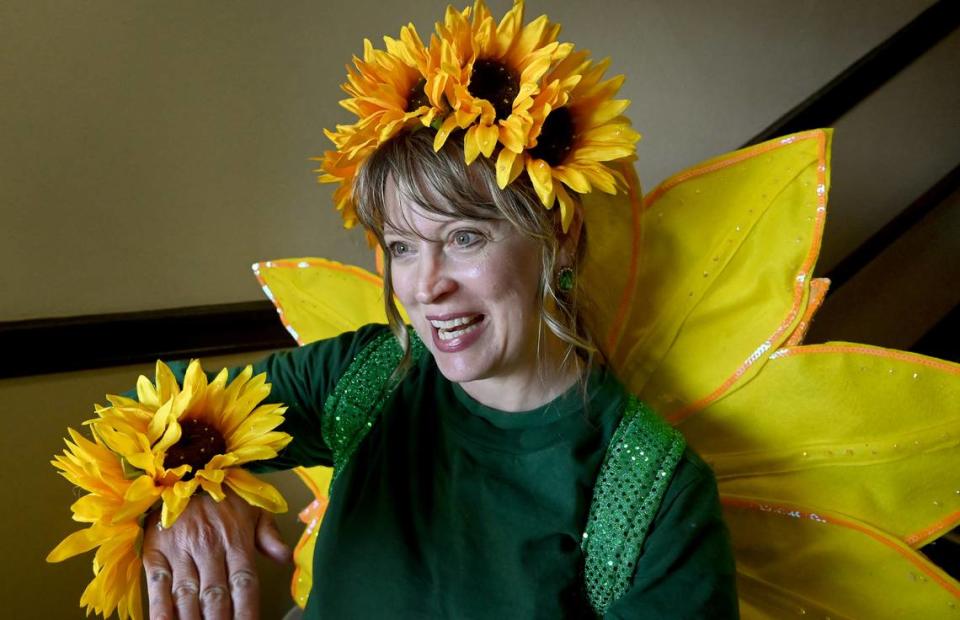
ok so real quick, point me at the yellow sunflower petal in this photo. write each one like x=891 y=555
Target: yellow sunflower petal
x=255 y=491
x=513 y=133
x=254 y=430
x=159 y=422
x=611 y=133
x=508 y=28
x=91 y=508
x=237 y=410
x=175 y=500
x=75 y=544
x=471 y=146
x=542 y=180
x=167 y=386
x=572 y=178
x=221 y=461
x=509 y=167
x=604 y=152
x=599 y=175
x=123 y=401
x=211 y=482
x=449 y=124
x=254 y=453
x=538 y=63
x=567 y=207
x=195 y=378
x=530 y=37
x=211 y=475
x=145 y=461
x=118 y=442
x=139 y=497
x=171 y=434
x=147 y=394
x=606 y=112
x=487 y=138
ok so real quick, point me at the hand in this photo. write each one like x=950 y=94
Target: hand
x=203 y=566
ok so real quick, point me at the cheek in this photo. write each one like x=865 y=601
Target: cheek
x=403 y=285
x=514 y=285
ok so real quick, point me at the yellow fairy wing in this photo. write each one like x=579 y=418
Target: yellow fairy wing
x=718 y=270
x=868 y=432
x=318 y=298
x=317 y=480
x=821 y=564
x=692 y=292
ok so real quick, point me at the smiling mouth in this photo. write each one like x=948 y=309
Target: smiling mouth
x=458 y=327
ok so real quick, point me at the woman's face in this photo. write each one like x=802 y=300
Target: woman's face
x=471 y=289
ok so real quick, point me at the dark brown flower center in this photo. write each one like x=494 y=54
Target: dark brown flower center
x=556 y=137
x=199 y=442
x=417 y=96
x=493 y=81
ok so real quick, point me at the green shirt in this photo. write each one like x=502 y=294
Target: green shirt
x=451 y=509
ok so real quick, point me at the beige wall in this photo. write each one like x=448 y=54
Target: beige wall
x=151 y=151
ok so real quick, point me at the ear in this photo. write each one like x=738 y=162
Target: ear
x=570 y=240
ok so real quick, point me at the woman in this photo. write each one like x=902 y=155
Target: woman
x=470 y=490
x=469 y=496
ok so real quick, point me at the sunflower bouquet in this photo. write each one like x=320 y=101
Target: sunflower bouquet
x=521 y=98
x=157 y=451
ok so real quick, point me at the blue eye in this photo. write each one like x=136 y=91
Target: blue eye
x=398 y=248
x=465 y=238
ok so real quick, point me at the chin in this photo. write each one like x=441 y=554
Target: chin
x=457 y=370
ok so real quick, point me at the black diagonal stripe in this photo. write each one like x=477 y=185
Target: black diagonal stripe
x=95 y=341
x=893 y=230
x=943 y=339
x=824 y=107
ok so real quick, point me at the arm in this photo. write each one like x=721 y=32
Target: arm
x=686 y=568
x=204 y=564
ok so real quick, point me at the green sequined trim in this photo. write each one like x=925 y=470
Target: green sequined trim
x=352 y=408
x=636 y=471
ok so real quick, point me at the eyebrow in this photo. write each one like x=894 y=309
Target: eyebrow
x=399 y=232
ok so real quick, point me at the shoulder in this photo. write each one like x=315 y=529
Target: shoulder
x=309 y=372
x=336 y=352
x=692 y=472
x=351 y=341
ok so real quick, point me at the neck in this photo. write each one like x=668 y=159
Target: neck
x=540 y=384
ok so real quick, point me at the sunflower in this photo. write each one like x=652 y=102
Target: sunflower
x=388 y=94
x=116 y=566
x=579 y=127
x=491 y=74
x=162 y=448
x=176 y=440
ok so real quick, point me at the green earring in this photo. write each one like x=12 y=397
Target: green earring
x=565 y=279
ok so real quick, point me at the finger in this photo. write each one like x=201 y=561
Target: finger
x=186 y=588
x=269 y=541
x=214 y=591
x=244 y=582
x=159 y=580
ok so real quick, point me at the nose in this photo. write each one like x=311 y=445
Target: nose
x=433 y=280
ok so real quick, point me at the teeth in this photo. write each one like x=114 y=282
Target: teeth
x=454 y=322
x=450 y=335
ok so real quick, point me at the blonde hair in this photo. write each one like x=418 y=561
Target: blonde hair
x=440 y=182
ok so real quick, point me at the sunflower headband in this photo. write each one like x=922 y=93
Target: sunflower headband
x=521 y=98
